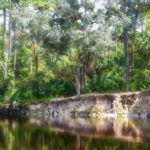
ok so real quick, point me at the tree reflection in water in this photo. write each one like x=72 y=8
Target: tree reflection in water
x=75 y=134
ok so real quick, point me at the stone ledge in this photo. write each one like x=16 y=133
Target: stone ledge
x=94 y=104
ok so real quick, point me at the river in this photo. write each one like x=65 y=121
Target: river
x=74 y=134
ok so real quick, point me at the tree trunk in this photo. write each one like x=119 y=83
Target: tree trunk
x=31 y=64
x=36 y=60
x=15 y=54
x=116 y=45
x=133 y=50
x=9 y=32
x=14 y=67
x=80 y=73
x=116 y=50
x=79 y=79
x=7 y=43
x=4 y=44
x=125 y=41
x=78 y=85
x=15 y=59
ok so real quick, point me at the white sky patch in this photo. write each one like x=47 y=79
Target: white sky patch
x=99 y=3
x=1 y=17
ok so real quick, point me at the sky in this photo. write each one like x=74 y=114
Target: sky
x=1 y=18
x=99 y=3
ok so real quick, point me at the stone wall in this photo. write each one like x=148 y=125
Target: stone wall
x=141 y=107
x=94 y=105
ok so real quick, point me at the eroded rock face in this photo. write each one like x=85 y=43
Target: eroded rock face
x=135 y=104
x=94 y=105
x=141 y=107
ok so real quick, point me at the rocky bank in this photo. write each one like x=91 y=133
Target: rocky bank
x=133 y=104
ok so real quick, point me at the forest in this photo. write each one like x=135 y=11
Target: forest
x=61 y=48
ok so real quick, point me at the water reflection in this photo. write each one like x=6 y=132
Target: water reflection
x=75 y=134
x=119 y=128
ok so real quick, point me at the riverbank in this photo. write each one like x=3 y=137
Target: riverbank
x=14 y=110
x=133 y=104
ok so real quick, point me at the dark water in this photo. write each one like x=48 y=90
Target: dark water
x=74 y=134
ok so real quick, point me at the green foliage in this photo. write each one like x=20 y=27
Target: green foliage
x=140 y=79
x=110 y=79
x=57 y=45
x=42 y=90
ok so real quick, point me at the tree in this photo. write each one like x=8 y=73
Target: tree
x=132 y=9
x=56 y=47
